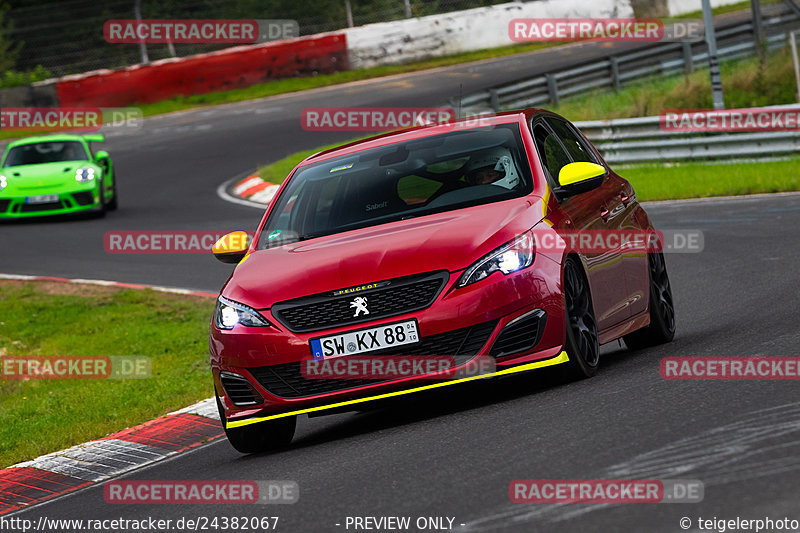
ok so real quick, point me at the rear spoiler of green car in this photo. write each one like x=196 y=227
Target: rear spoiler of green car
x=95 y=137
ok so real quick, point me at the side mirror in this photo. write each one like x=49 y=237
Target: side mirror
x=577 y=178
x=232 y=247
x=95 y=138
x=103 y=159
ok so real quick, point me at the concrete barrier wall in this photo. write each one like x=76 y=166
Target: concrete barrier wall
x=362 y=47
x=475 y=29
x=36 y=95
x=678 y=7
x=231 y=68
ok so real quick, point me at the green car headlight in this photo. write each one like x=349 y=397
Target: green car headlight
x=229 y=313
x=3 y=182
x=84 y=174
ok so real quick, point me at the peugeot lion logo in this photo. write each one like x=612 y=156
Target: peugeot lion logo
x=360 y=303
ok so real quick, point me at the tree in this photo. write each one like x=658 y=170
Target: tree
x=9 y=50
x=650 y=8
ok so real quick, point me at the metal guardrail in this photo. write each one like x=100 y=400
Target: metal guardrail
x=615 y=71
x=640 y=140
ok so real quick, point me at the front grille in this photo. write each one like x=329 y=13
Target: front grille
x=4 y=205
x=34 y=208
x=239 y=389
x=519 y=335
x=83 y=198
x=395 y=297
x=287 y=380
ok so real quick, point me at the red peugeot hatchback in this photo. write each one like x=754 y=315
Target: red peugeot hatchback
x=430 y=242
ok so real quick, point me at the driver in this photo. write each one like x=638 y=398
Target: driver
x=494 y=166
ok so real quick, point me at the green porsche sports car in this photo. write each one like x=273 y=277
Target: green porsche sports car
x=56 y=175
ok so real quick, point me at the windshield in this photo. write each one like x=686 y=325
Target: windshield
x=404 y=180
x=45 y=152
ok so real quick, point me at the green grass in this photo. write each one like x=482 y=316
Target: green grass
x=323 y=80
x=665 y=182
x=289 y=85
x=745 y=82
x=46 y=415
x=739 y=6
x=700 y=180
x=283 y=86
x=279 y=170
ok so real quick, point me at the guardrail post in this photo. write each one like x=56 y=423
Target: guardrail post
x=773 y=26
x=793 y=44
x=552 y=89
x=614 y=73
x=688 y=59
x=493 y=100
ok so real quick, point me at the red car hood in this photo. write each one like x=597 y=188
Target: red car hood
x=446 y=241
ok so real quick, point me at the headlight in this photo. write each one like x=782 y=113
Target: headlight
x=3 y=182
x=509 y=258
x=228 y=313
x=84 y=174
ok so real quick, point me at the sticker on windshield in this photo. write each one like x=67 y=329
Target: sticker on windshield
x=341 y=167
x=274 y=234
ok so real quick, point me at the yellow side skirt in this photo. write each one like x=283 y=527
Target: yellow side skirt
x=559 y=359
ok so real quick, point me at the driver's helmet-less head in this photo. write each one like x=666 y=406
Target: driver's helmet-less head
x=494 y=166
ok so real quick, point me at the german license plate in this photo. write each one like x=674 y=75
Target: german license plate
x=42 y=199
x=365 y=340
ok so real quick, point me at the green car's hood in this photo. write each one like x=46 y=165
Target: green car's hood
x=44 y=175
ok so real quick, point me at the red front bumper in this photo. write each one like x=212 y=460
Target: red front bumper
x=493 y=303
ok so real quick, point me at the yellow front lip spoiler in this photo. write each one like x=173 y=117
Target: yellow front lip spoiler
x=557 y=360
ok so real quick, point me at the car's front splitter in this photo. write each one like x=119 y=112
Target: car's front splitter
x=557 y=360
x=70 y=199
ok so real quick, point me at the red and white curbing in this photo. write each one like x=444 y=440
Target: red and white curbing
x=255 y=189
x=83 y=465
x=58 y=473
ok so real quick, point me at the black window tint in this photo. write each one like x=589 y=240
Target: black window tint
x=417 y=190
x=550 y=150
x=45 y=152
x=413 y=178
x=570 y=141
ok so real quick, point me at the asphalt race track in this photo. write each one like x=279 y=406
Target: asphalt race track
x=169 y=169
x=453 y=453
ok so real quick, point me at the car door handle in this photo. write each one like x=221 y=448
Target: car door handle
x=604 y=214
x=625 y=199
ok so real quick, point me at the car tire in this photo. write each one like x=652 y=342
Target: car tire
x=662 y=308
x=112 y=205
x=581 y=339
x=101 y=208
x=259 y=437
